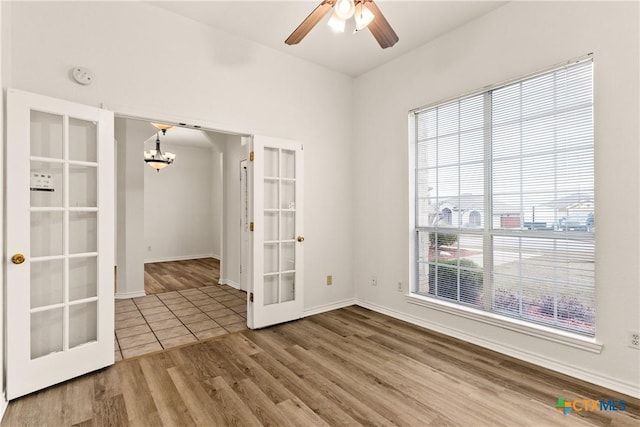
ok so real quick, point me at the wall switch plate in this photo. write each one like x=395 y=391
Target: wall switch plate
x=399 y=286
x=374 y=281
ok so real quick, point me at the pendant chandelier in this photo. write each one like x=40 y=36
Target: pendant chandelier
x=156 y=158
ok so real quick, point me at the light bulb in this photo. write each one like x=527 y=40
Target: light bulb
x=344 y=9
x=336 y=23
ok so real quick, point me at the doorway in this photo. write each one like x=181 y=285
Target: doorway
x=276 y=283
x=190 y=291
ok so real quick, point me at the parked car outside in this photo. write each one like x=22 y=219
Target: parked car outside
x=578 y=221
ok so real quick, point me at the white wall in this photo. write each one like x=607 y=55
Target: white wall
x=234 y=152
x=178 y=206
x=217 y=205
x=519 y=38
x=150 y=60
x=130 y=135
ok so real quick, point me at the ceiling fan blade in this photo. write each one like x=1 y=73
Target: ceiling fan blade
x=380 y=27
x=309 y=22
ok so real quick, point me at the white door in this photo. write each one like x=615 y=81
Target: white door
x=59 y=241
x=277 y=293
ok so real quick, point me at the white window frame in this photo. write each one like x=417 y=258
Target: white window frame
x=550 y=333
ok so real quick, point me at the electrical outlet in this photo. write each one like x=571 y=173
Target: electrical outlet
x=399 y=286
x=633 y=339
x=329 y=280
x=374 y=281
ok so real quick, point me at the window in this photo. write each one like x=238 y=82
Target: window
x=504 y=197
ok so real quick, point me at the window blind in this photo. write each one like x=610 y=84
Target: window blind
x=505 y=208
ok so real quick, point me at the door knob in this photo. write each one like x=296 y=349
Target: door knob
x=17 y=259
x=300 y=239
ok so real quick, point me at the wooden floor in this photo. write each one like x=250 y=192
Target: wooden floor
x=160 y=277
x=346 y=367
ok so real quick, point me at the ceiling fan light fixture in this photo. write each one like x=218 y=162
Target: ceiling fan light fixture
x=344 y=9
x=336 y=23
x=368 y=16
x=363 y=16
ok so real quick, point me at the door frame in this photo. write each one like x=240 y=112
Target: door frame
x=124 y=112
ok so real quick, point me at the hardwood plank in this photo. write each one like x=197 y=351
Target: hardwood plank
x=234 y=410
x=272 y=388
x=300 y=414
x=76 y=409
x=261 y=405
x=139 y=404
x=201 y=407
x=106 y=383
x=111 y=411
x=171 y=407
x=223 y=357
x=304 y=391
x=372 y=392
x=160 y=277
x=353 y=405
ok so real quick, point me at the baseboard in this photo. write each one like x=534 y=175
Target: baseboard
x=228 y=282
x=629 y=389
x=328 y=307
x=180 y=258
x=126 y=295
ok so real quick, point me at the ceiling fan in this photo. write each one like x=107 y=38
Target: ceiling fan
x=365 y=12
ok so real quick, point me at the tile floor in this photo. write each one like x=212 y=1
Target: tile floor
x=156 y=322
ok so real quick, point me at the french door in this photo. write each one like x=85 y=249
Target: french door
x=59 y=241
x=276 y=295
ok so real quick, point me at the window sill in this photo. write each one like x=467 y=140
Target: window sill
x=538 y=331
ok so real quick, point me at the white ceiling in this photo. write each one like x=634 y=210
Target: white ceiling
x=270 y=23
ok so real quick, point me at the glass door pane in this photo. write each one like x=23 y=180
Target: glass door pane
x=83 y=323
x=64 y=233
x=279 y=217
x=47 y=282
x=46 y=184
x=47 y=233
x=46 y=332
x=83 y=278
x=83 y=140
x=83 y=186
x=83 y=232
x=46 y=135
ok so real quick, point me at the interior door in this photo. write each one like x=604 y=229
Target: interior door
x=278 y=239
x=59 y=241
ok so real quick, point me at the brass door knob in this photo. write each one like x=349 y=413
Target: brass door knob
x=300 y=239
x=17 y=259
